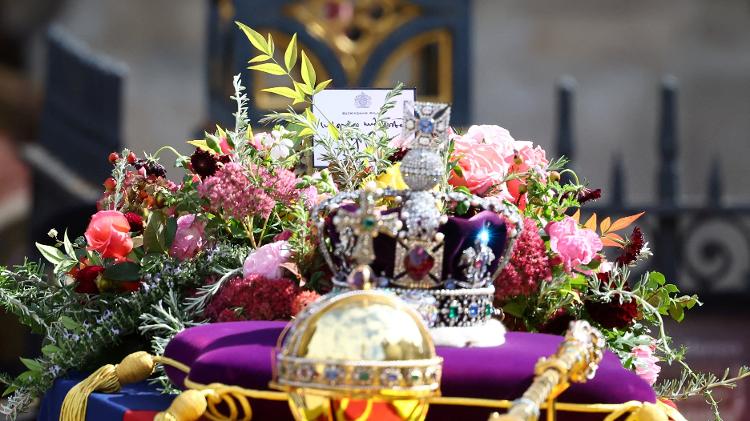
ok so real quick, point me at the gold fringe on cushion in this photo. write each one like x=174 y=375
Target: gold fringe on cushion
x=187 y=406
x=134 y=368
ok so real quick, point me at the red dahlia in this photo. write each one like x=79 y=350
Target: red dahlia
x=135 y=221
x=613 y=315
x=86 y=279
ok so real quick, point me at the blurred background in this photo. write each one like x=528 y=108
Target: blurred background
x=650 y=100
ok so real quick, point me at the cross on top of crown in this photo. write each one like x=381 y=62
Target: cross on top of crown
x=428 y=122
x=366 y=223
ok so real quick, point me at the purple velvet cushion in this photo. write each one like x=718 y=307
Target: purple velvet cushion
x=239 y=353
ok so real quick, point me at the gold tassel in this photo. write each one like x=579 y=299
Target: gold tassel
x=649 y=412
x=134 y=368
x=187 y=406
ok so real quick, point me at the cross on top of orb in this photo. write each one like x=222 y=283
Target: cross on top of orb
x=428 y=122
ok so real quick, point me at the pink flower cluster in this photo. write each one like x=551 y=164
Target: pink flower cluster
x=575 y=246
x=528 y=265
x=488 y=154
x=646 y=363
x=239 y=192
x=258 y=298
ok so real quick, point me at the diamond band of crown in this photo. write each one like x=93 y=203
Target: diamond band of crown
x=444 y=266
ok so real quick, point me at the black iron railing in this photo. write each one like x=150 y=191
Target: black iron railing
x=702 y=248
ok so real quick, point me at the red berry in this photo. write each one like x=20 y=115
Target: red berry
x=114 y=157
x=132 y=158
x=110 y=184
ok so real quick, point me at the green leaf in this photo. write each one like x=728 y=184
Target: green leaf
x=322 y=85
x=301 y=87
x=657 y=277
x=310 y=116
x=271 y=46
x=290 y=55
x=333 y=131
x=50 y=349
x=32 y=365
x=125 y=271
x=52 y=254
x=169 y=232
x=69 y=323
x=69 y=246
x=213 y=144
x=153 y=236
x=200 y=144
x=676 y=312
x=9 y=390
x=255 y=38
x=462 y=207
x=270 y=68
x=308 y=71
x=515 y=308
x=306 y=132
x=283 y=91
x=65 y=265
x=259 y=58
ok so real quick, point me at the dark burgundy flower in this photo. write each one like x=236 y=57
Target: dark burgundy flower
x=135 y=221
x=587 y=194
x=631 y=251
x=558 y=323
x=86 y=279
x=153 y=168
x=204 y=163
x=398 y=155
x=283 y=236
x=613 y=314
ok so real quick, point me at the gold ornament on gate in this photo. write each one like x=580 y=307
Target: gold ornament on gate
x=358 y=355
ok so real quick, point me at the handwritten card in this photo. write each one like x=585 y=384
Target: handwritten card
x=356 y=108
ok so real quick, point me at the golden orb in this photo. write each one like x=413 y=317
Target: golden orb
x=358 y=355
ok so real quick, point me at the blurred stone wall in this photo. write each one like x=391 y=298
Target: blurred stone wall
x=617 y=50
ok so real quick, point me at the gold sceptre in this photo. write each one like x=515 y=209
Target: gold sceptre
x=576 y=361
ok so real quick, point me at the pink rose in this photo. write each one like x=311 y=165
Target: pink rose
x=576 y=246
x=188 y=238
x=109 y=234
x=645 y=363
x=266 y=261
x=262 y=141
x=530 y=158
x=485 y=155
